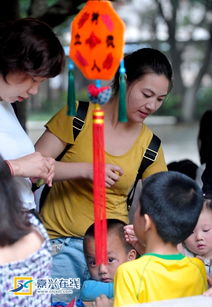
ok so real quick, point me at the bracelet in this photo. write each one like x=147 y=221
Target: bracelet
x=10 y=167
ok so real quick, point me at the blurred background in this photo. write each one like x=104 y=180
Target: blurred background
x=182 y=29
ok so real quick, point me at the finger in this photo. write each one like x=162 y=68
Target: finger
x=49 y=182
x=108 y=185
x=114 y=176
x=110 y=181
x=117 y=169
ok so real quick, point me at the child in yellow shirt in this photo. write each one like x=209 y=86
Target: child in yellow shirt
x=168 y=210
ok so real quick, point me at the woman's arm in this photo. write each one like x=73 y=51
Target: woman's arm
x=50 y=145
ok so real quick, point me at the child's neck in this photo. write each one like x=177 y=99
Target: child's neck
x=161 y=248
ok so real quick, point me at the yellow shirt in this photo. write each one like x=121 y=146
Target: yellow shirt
x=155 y=277
x=68 y=210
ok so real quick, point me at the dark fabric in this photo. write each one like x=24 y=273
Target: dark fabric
x=149 y=157
x=207 y=181
x=4 y=169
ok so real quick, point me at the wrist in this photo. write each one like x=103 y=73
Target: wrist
x=87 y=171
x=10 y=167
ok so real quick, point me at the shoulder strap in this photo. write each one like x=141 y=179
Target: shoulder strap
x=149 y=157
x=79 y=119
x=78 y=123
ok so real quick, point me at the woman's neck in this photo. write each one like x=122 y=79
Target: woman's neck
x=111 y=111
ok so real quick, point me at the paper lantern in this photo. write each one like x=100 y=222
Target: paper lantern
x=97 y=41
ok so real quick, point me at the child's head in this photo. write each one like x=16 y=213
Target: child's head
x=119 y=251
x=172 y=202
x=200 y=241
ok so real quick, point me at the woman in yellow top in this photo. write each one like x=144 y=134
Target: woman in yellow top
x=68 y=209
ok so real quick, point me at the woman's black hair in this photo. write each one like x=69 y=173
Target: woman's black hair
x=205 y=137
x=141 y=62
x=14 y=222
x=30 y=46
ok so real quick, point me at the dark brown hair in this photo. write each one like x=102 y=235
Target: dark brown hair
x=30 y=46
x=14 y=223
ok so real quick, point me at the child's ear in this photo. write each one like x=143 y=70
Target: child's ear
x=148 y=222
x=132 y=254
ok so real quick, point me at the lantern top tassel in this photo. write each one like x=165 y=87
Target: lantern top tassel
x=122 y=94
x=71 y=90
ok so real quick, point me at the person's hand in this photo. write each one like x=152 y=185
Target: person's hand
x=209 y=291
x=112 y=174
x=131 y=238
x=103 y=301
x=46 y=178
x=35 y=166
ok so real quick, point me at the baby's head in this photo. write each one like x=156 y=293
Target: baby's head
x=118 y=251
x=200 y=241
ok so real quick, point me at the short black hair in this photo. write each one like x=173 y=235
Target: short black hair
x=113 y=225
x=142 y=62
x=173 y=201
x=185 y=166
x=29 y=45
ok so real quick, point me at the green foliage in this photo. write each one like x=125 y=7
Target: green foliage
x=25 y=4
x=204 y=101
x=171 y=106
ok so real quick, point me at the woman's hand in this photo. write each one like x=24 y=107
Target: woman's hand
x=112 y=174
x=35 y=166
x=131 y=238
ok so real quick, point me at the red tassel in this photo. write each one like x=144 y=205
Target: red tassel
x=100 y=227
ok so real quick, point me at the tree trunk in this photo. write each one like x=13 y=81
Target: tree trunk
x=189 y=99
x=188 y=104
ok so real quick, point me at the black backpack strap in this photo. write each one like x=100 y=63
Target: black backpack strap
x=79 y=119
x=78 y=123
x=149 y=157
